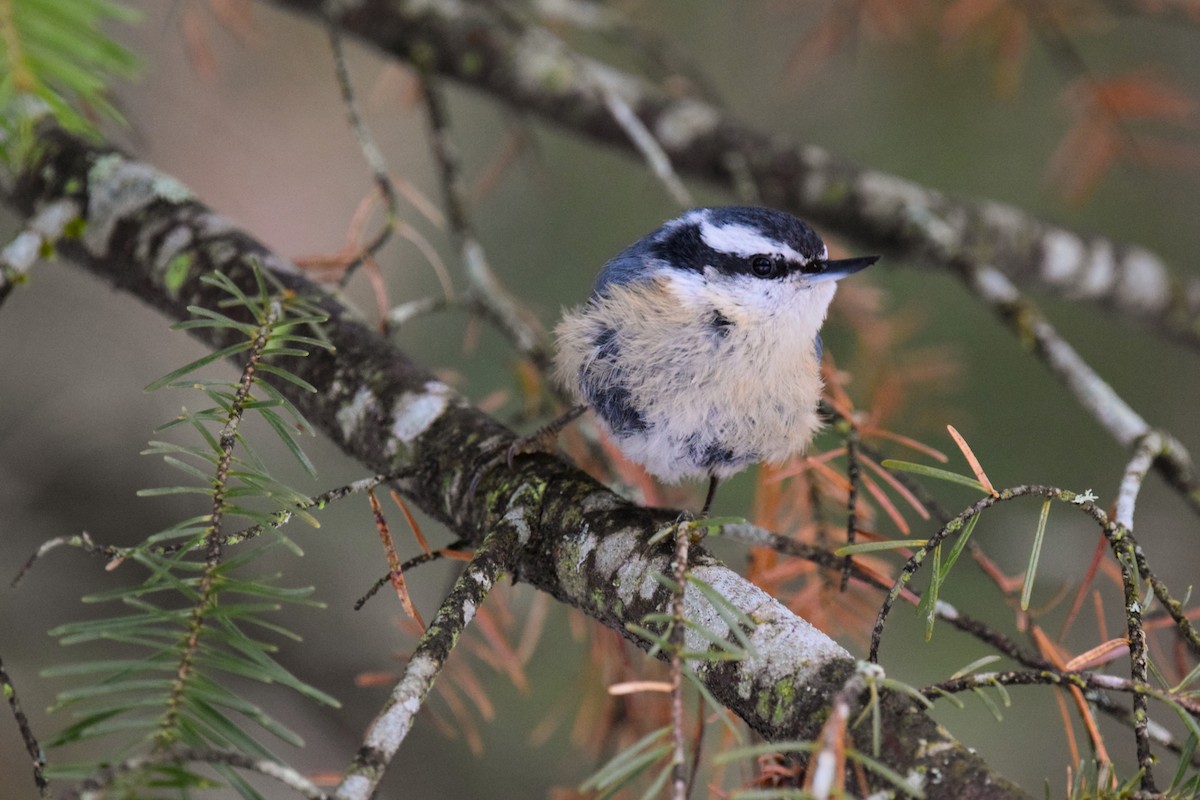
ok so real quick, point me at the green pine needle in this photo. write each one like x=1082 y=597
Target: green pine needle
x=55 y=59
x=143 y=697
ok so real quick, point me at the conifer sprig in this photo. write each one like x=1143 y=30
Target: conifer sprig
x=186 y=627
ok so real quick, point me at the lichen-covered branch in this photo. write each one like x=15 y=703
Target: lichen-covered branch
x=530 y=69
x=1093 y=393
x=145 y=233
x=32 y=747
x=19 y=255
x=394 y=721
x=109 y=774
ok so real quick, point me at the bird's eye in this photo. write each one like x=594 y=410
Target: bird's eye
x=762 y=266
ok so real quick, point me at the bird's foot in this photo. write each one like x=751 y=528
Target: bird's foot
x=543 y=440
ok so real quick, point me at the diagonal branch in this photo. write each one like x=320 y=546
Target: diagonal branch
x=1092 y=393
x=32 y=747
x=527 y=68
x=143 y=232
x=390 y=727
x=109 y=774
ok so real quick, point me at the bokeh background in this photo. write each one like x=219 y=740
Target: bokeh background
x=253 y=124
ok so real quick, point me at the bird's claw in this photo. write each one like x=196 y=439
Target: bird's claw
x=543 y=440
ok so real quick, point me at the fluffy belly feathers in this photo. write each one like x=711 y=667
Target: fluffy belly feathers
x=691 y=392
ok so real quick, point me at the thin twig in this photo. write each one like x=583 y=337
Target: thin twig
x=1096 y=397
x=954 y=525
x=644 y=141
x=1124 y=549
x=620 y=30
x=915 y=487
x=1114 y=531
x=503 y=308
x=1087 y=681
x=389 y=729
x=827 y=767
x=851 y=497
x=1171 y=12
x=679 y=768
x=214 y=545
x=415 y=561
x=370 y=152
x=27 y=736
x=109 y=774
x=116 y=555
x=1147 y=449
x=1095 y=685
x=608 y=86
x=1138 y=656
x=1158 y=733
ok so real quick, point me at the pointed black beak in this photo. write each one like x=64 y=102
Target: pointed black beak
x=836 y=270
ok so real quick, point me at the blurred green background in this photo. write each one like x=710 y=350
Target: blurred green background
x=262 y=138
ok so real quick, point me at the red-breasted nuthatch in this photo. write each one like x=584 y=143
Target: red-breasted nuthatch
x=699 y=349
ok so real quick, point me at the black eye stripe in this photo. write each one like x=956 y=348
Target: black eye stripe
x=683 y=247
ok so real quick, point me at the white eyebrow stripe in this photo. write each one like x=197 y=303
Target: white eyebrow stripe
x=740 y=240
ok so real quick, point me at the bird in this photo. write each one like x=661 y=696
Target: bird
x=699 y=347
